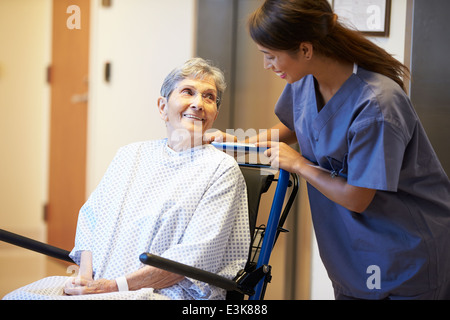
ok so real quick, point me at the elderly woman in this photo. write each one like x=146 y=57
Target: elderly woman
x=177 y=198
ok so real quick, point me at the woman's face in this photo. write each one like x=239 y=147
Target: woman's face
x=191 y=108
x=288 y=66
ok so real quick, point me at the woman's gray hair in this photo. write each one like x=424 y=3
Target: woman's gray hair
x=195 y=68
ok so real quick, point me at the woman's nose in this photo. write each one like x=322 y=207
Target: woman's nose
x=267 y=64
x=197 y=102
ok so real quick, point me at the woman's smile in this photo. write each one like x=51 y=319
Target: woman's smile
x=281 y=74
x=192 y=116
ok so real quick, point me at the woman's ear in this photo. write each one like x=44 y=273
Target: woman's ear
x=162 y=108
x=306 y=50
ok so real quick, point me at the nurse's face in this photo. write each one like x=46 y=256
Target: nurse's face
x=191 y=107
x=288 y=66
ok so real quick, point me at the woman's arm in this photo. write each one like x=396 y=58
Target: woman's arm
x=151 y=277
x=86 y=265
x=279 y=133
x=146 y=277
x=336 y=189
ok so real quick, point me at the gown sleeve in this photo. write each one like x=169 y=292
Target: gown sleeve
x=217 y=238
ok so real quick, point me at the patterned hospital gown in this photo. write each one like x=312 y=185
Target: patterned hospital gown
x=190 y=207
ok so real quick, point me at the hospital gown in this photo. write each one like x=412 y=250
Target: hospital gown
x=188 y=206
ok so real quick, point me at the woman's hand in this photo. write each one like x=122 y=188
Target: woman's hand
x=80 y=285
x=283 y=156
x=218 y=136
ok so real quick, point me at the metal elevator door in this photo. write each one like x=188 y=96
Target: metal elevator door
x=430 y=72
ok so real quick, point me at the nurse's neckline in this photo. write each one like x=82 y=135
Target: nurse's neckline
x=320 y=101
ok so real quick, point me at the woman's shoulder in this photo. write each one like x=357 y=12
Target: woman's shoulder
x=380 y=87
x=145 y=143
x=225 y=159
x=225 y=163
x=383 y=97
x=141 y=146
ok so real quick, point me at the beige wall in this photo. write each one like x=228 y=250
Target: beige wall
x=24 y=98
x=25 y=45
x=143 y=40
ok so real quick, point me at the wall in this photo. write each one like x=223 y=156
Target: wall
x=24 y=99
x=143 y=40
x=256 y=90
x=430 y=82
x=394 y=44
x=25 y=38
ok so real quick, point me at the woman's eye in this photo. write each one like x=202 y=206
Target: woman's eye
x=187 y=91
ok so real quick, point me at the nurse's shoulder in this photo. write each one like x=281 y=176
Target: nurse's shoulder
x=388 y=98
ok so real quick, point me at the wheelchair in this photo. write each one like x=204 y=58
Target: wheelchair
x=252 y=281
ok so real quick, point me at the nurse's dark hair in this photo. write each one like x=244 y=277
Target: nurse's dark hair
x=285 y=24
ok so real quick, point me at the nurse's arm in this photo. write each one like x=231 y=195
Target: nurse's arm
x=278 y=132
x=336 y=189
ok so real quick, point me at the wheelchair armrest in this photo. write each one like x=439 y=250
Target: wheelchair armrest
x=34 y=245
x=188 y=271
x=243 y=282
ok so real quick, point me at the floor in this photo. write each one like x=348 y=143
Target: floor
x=19 y=267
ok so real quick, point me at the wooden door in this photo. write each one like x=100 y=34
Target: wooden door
x=68 y=124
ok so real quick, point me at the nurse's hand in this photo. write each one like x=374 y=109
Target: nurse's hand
x=282 y=156
x=218 y=136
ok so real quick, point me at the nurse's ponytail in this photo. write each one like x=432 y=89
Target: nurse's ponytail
x=284 y=24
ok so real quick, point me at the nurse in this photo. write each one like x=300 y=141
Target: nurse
x=379 y=197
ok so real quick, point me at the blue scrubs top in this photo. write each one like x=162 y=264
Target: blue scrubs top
x=369 y=134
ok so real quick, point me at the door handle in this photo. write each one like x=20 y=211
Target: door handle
x=80 y=98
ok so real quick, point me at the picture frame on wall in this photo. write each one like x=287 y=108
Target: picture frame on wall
x=372 y=17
